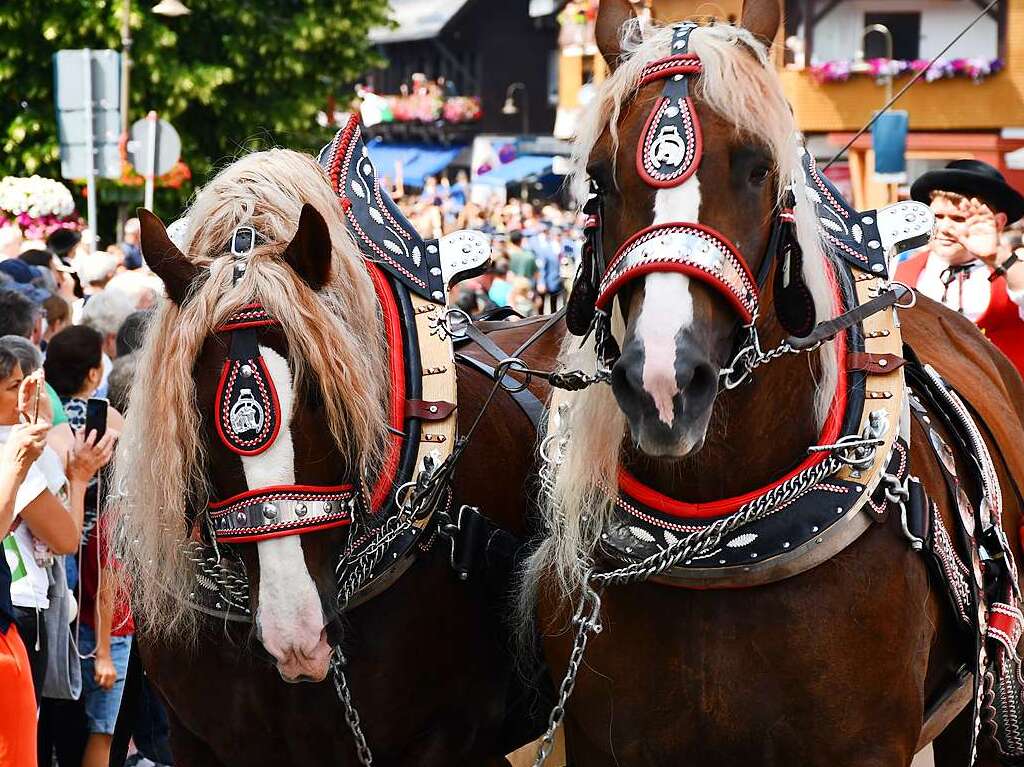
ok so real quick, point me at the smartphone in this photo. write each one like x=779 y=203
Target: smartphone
x=35 y=403
x=96 y=417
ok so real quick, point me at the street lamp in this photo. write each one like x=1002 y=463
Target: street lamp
x=169 y=8
x=510 y=107
x=860 y=65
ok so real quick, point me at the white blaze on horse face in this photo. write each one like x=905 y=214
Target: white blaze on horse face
x=667 y=306
x=289 y=615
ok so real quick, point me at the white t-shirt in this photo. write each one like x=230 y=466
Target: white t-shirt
x=30 y=589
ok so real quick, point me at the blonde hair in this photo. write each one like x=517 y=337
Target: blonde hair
x=587 y=427
x=335 y=341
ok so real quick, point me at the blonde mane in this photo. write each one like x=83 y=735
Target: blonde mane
x=587 y=427
x=335 y=341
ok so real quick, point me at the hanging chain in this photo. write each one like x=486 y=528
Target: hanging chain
x=338 y=663
x=587 y=617
x=587 y=620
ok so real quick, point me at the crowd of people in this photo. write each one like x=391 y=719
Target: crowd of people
x=534 y=248
x=70 y=324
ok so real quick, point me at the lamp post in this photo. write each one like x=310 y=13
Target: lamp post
x=860 y=65
x=510 y=107
x=168 y=8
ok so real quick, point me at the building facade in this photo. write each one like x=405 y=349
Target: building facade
x=971 y=105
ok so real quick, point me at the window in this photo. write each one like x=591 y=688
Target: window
x=906 y=36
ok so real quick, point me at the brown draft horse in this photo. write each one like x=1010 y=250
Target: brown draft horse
x=431 y=672
x=834 y=666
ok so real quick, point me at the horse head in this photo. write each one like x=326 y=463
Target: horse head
x=269 y=346
x=688 y=150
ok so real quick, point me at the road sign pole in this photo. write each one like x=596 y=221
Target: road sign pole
x=90 y=147
x=150 y=159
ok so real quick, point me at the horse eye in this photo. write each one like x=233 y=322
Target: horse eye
x=760 y=174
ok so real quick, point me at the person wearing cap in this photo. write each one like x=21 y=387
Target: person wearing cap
x=966 y=266
x=132 y=246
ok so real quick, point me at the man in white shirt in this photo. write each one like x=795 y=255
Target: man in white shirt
x=966 y=266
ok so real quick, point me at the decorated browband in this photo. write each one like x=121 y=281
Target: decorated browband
x=670 y=148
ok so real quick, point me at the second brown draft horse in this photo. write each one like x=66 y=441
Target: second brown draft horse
x=775 y=583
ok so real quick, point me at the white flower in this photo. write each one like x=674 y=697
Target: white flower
x=36 y=196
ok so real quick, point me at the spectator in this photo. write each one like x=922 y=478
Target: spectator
x=500 y=285
x=24 y=444
x=966 y=266
x=549 y=264
x=57 y=312
x=105 y=313
x=63 y=243
x=95 y=271
x=74 y=360
x=132 y=332
x=51 y=505
x=10 y=241
x=520 y=296
x=521 y=262
x=142 y=287
x=120 y=381
x=62 y=276
x=19 y=317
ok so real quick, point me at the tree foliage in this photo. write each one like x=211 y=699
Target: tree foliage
x=234 y=75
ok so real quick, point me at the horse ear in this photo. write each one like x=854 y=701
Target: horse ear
x=762 y=18
x=164 y=258
x=611 y=16
x=309 y=252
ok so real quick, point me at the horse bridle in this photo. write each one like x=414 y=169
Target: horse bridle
x=669 y=153
x=248 y=421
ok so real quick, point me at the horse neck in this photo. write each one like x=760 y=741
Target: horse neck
x=758 y=432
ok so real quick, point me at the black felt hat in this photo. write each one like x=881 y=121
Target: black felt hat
x=62 y=240
x=971 y=178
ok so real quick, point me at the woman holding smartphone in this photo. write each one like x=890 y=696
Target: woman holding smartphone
x=74 y=367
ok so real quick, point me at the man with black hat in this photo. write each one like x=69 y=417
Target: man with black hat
x=966 y=266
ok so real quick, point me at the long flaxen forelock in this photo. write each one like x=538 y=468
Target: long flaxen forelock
x=739 y=84
x=335 y=341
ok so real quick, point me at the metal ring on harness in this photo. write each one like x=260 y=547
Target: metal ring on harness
x=907 y=290
x=502 y=369
x=402 y=493
x=452 y=329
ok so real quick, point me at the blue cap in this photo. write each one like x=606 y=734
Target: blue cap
x=19 y=271
x=31 y=292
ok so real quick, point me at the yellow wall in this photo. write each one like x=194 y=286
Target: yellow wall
x=955 y=104
x=673 y=10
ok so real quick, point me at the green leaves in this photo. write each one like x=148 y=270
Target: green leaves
x=234 y=74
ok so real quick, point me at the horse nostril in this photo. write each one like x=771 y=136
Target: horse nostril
x=703 y=384
x=627 y=372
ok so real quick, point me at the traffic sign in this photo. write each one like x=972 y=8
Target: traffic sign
x=88 y=85
x=156 y=139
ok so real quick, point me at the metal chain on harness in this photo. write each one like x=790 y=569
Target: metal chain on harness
x=338 y=663
x=587 y=615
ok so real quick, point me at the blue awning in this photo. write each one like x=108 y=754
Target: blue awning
x=418 y=160
x=522 y=167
